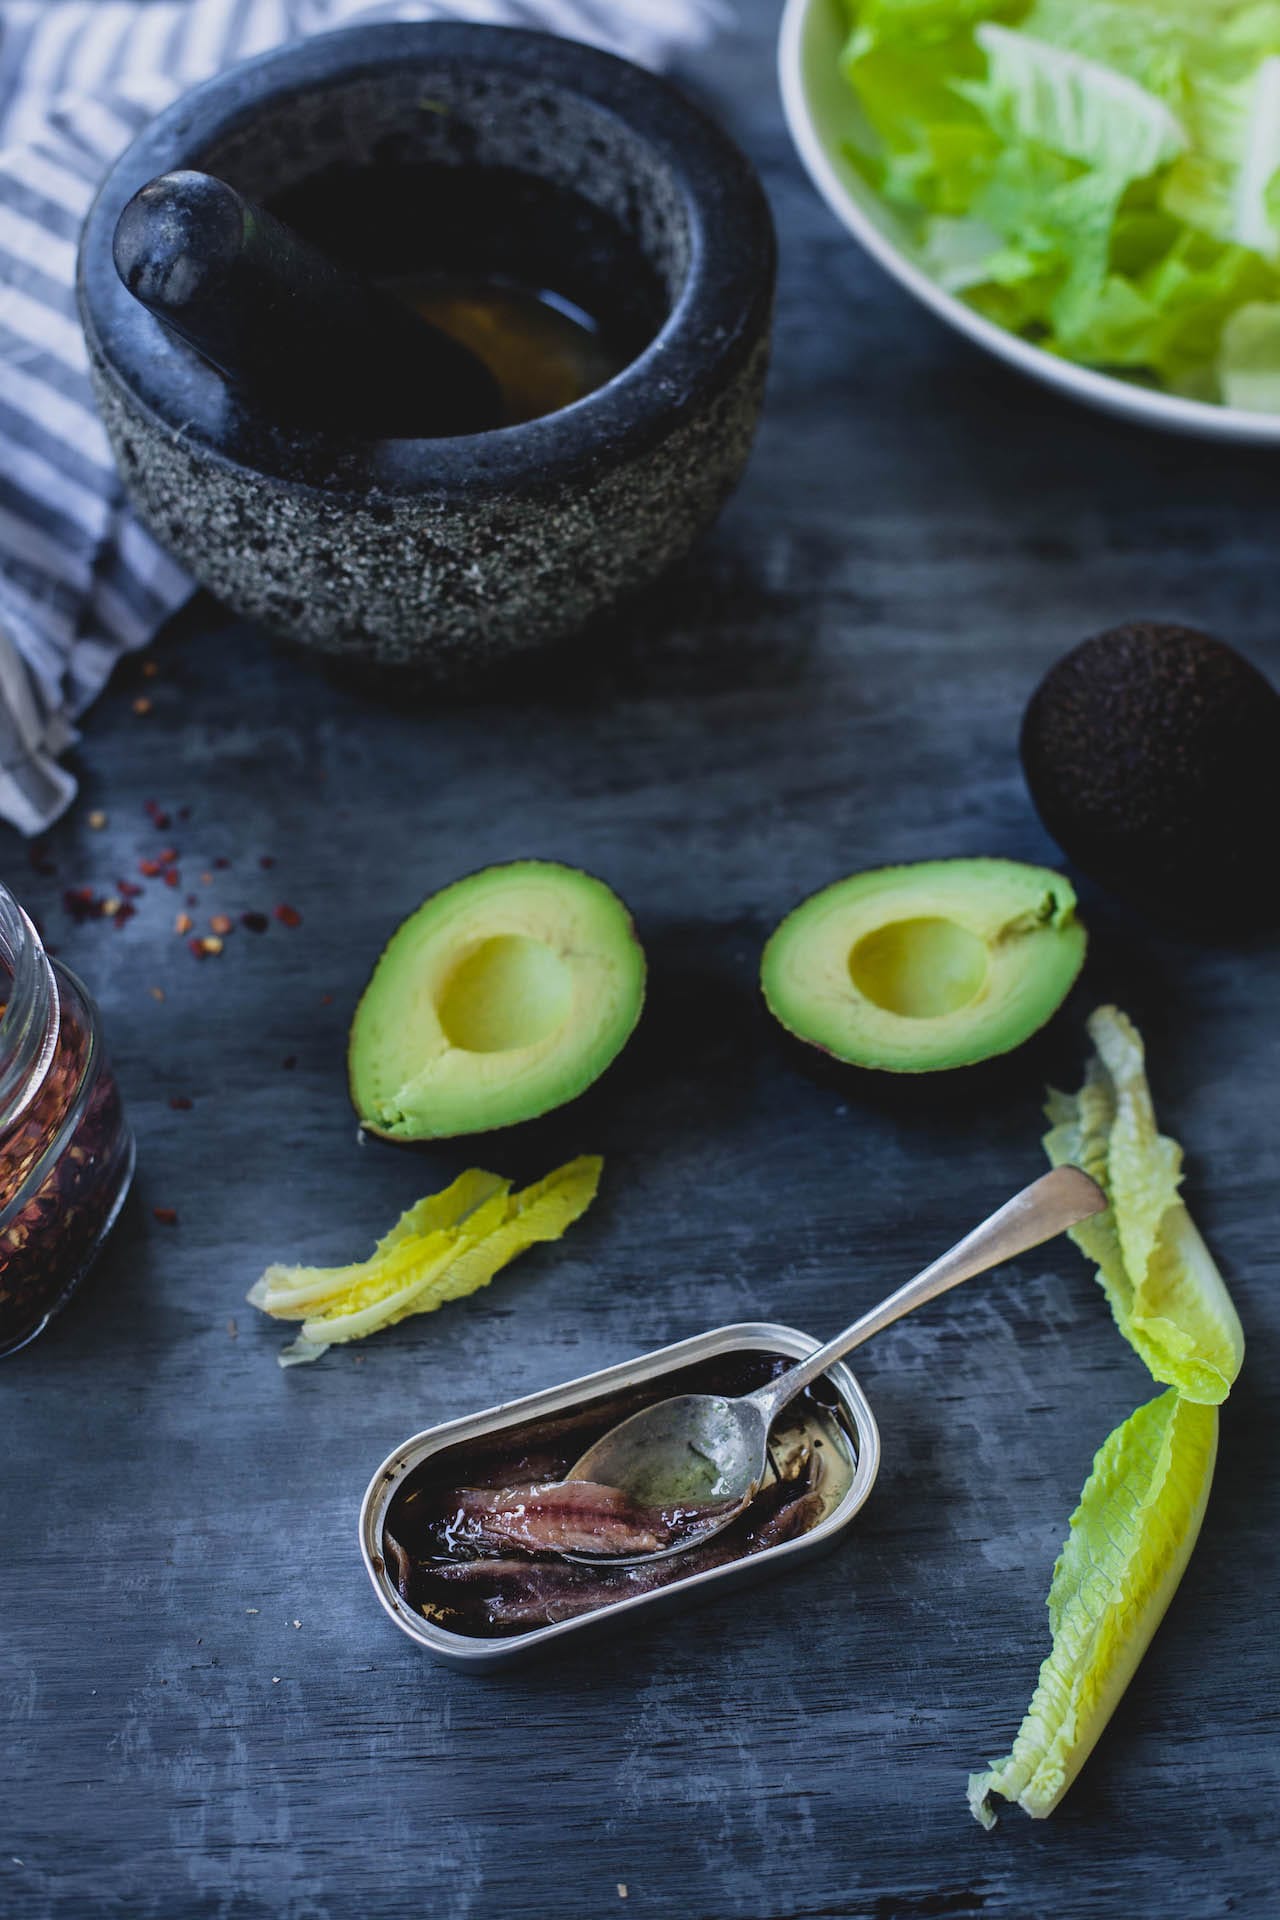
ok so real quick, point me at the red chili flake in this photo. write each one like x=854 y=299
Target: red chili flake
x=150 y=869
x=221 y=923
x=326 y=999
x=195 y=947
x=142 y=705
x=129 y=889
x=157 y=993
x=255 y=922
x=126 y=912
x=180 y=1103
x=184 y=813
x=287 y=916
x=80 y=902
x=167 y=856
x=150 y=668
x=289 y=1062
x=167 y=1216
x=222 y=862
x=183 y=923
x=266 y=860
x=172 y=878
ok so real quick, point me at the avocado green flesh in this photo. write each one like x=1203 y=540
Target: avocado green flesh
x=503 y=996
x=921 y=968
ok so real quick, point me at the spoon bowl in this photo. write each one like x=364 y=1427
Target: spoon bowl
x=699 y=1459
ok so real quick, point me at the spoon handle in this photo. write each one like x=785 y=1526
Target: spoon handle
x=1047 y=1207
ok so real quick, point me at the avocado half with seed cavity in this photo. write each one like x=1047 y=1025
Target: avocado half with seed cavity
x=915 y=969
x=503 y=996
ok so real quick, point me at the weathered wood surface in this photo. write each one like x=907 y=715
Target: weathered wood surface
x=204 y=1712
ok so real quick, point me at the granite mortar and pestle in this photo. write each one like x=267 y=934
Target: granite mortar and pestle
x=326 y=461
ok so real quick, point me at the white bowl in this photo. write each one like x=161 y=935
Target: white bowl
x=821 y=111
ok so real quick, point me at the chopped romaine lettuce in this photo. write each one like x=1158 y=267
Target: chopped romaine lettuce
x=1100 y=176
x=1129 y=1542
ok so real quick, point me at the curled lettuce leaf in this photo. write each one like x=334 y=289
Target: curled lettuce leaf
x=441 y=1249
x=1129 y=1542
x=1167 y=1296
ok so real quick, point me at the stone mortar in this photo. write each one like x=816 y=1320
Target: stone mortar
x=449 y=554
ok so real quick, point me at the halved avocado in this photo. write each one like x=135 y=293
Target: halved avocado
x=503 y=996
x=916 y=969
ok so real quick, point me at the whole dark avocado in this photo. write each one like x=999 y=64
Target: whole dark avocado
x=1152 y=753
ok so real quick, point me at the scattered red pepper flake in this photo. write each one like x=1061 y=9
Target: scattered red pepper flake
x=266 y=860
x=180 y=1103
x=196 y=949
x=183 y=923
x=222 y=862
x=97 y=820
x=157 y=993
x=142 y=705
x=150 y=869
x=129 y=889
x=150 y=668
x=287 y=916
x=125 y=912
x=167 y=1216
x=255 y=922
x=172 y=878
x=80 y=902
x=184 y=813
x=167 y=856
x=221 y=923
x=326 y=999
x=289 y=1062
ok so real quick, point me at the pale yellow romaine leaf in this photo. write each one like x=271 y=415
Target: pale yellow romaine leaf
x=444 y=1247
x=477 y=1249
x=1169 y=1300
x=1129 y=1541
x=294 y=1293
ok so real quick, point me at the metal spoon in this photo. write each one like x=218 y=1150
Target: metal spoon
x=704 y=1450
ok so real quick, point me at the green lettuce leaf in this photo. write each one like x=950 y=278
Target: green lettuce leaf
x=1167 y=1296
x=1050 y=97
x=1222 y=186
x=1249 y=364
x=1129 y=1542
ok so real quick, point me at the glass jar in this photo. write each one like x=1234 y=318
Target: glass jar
x=66 y=1153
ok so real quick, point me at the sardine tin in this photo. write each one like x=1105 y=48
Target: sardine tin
x=478 y=1655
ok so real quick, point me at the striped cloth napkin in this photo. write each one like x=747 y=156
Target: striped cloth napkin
x=80 y=582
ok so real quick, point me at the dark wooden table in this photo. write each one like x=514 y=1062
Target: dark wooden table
x=204 y=1711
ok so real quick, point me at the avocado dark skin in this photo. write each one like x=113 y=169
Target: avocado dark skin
x=1152 y=753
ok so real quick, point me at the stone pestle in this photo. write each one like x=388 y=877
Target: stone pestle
x=301 y=337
